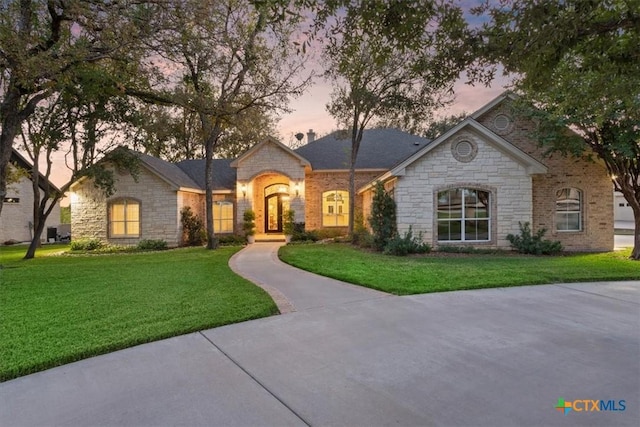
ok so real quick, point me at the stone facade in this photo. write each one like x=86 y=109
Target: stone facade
x=491 y=170
x=17 y=218
x=590 y=177
x=160 y=206
x=267 y=164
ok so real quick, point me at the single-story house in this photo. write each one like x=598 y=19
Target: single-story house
x=470 y=186
x=16 y=220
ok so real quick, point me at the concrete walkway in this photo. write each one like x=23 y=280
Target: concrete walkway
x=293 y=289
x=353 y=357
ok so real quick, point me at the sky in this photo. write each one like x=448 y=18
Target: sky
x=309 y=111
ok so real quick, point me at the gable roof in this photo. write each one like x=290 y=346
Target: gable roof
x=380 y=149
x=531 y=165
x=495 y=101
x=20 y=161
x=235 y=163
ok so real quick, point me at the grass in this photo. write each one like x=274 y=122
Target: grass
x=438 y=273
x=59 y=309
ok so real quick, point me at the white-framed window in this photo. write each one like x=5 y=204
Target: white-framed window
x=335 y=208
x=222 y=215
x=124 y=218
x=569 y=209
x=464 y=215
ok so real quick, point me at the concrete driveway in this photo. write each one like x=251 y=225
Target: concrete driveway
x=497 y=357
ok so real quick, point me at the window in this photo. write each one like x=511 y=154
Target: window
x=12 y=200
x=568 y=209
x=335 y=208
x=124 y=218
x=464 y=215
x=222 y=215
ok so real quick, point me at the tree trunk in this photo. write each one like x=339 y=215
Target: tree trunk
x=35 y=242
x=9 y=112
x=635 y=253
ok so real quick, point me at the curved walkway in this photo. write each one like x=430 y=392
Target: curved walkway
x=353 y=357
x=291 y=288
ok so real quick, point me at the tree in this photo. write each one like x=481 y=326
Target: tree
x=578 y=62
x=390 y=61
x=41 y=42
x=77 y=119
x=232 y=57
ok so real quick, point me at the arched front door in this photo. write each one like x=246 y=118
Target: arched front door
x=276 y=202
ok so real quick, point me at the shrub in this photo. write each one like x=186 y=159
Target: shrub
x=231 y=240
x=151 y=245
x=408 y=244
x=288 y=225
x=301 y=235
x=193 y=233
x=534 y=244
x=249 y=222
x=86 y=245
x=383 y=217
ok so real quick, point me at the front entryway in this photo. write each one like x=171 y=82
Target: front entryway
x=276 y=203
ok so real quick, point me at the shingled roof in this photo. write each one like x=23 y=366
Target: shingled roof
x=224 y=176
x=379 y=149
x=169 y=171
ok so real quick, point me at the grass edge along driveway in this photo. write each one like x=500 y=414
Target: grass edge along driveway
x=59 y=309
x=441 y=273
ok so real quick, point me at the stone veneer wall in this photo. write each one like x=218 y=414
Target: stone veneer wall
x=318 y=182
x=14 y=224
x=159 y=209
x=416 y=192
x=590 y=177
x=269 y=164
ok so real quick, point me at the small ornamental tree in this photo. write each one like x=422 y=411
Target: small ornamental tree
x=249 y=223
x=383 y=217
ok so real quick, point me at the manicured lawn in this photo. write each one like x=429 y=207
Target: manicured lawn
x=58 y=309
x=441 y=272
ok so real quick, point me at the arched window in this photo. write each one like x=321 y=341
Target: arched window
x=335 y=208
x=124 y=218
x=569 y=209
x=464 y=215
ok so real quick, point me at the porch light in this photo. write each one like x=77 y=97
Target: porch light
x=244 y=191
x=297 y=187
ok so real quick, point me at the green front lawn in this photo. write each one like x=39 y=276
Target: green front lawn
x=58 y=309
x=450 y=272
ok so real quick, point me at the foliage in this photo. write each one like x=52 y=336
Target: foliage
x=152 y=245
x=578 y=62
x=65 y=215
x=231 y=58
x=43 y=47
x=231 y=240
x=439 y=272
x=407 y=244
x=249 y=222
x=86 y=244
x=288 y=222
x=57 y=309
x=390 y=61
x=302 y=235
x=528 y=243
x=193 y=233
x=383 y=217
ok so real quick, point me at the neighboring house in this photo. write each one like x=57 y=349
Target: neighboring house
x=623 y=211
x=472 y=185
x=16 y=220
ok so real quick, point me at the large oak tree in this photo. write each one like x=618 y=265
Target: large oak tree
x=578 y=61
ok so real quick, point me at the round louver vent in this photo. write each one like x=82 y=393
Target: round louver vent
x=464 y=150
x=502 y=122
